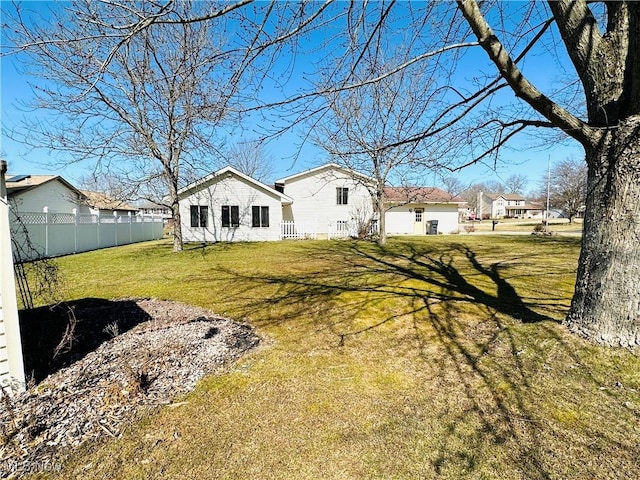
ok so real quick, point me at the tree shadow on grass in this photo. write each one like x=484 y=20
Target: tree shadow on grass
x=54 y=337
x=434 y=288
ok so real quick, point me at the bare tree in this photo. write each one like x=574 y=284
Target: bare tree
x=604 y=55
x=515 y=183
x=453 y=186
x=598 y=108
x=362 y=128
x=143 y=89
x=567 y=186
x=251 y=158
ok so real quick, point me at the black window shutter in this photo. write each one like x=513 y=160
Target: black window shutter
x=264 y=217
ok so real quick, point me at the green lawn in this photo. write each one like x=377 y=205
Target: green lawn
x=436 y=357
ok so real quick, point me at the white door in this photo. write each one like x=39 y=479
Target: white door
x=418 y=224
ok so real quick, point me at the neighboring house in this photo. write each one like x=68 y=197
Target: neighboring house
x=103 y=204
x=421 y=210
x=230 y=206
x=326 y=201
x=498 y=205
x=151 y=208
x=327 y=198
x=31 y=193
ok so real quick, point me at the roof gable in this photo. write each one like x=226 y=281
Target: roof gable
x=227 y=172
x=24 y=183
x=506 y=196
x=318 y=170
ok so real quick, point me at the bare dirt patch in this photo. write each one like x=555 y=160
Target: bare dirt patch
x=126 y=357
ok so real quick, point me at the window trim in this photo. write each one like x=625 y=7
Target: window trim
x=259 y=216
x=230 y=216
x=342 y=195
x=199 y=216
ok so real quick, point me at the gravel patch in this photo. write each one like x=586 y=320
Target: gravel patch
x=99 y=393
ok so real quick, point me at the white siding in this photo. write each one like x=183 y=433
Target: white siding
x=400 y=221
x=231 y=190
x=53 y=194
x=11 y=362
x=315 y=201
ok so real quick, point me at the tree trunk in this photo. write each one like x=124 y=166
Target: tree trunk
x=175 y=213
x=177 y=228
x=606 y=304
x=382 y=223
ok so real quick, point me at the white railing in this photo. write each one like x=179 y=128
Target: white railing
x=298 y=230
x=48 y=234
x=334 y=230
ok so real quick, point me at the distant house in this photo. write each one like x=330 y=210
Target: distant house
x=327 y=198
x=103 y=204
x=499 y=205
x=323 y=202
x=421 y=210
x=153 y=208
x=230 y=206
x=32 y=193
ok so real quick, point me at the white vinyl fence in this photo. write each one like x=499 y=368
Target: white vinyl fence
x=44 y=234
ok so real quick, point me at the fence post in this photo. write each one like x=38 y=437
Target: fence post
x=115 y=226
x=45 y=210
x=75 y=230
x=130 y=236
x=98 y=227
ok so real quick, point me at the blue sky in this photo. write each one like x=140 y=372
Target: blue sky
x=22 y=160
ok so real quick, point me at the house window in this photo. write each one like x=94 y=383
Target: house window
x=419 y=215
x=342 y=195
x=230 y=216
x=259 y=216
x=199 y=215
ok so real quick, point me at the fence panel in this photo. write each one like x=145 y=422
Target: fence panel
x=39 y=235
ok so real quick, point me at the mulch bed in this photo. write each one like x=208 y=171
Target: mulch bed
x=96 y=364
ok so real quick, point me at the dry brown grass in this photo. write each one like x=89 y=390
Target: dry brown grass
x=432 y=358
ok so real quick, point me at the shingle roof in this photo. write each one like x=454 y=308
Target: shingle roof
x=102 y=201
x=21 y=183
x=420 y=195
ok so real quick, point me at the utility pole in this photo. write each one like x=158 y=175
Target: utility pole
x=546 y=225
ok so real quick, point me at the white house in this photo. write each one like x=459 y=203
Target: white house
x=500 y=205
x=327 y=198
x=230 y=206
x=421 y=211
x=11 y=362
x=325 y=201
x=102 y=204
x=31 y=193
